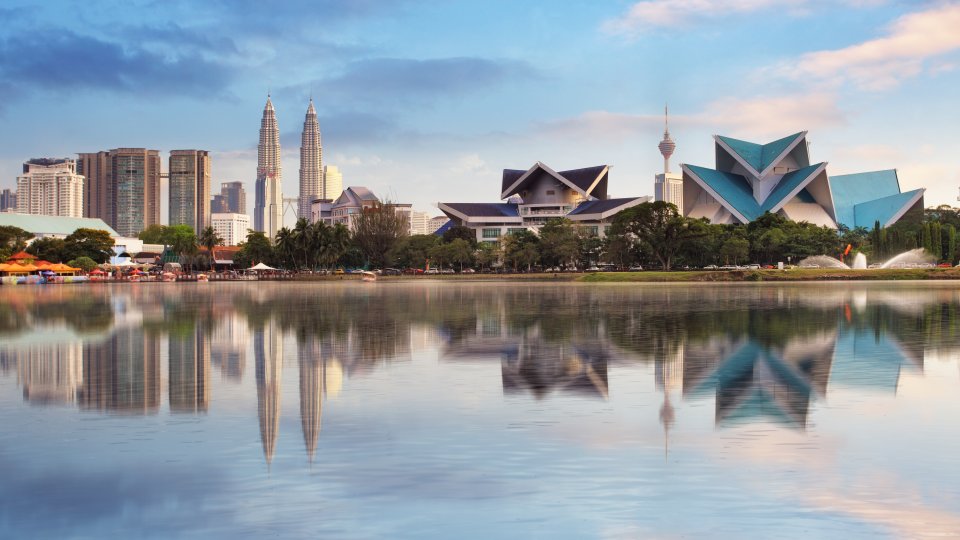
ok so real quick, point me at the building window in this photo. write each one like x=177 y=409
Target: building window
x=551 y=192
x=491 y=233
x=591 y=230
x=513 y=230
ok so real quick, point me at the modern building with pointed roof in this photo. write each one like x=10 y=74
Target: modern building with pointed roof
x=311 y=163
x=778 y=177
x=538 y=194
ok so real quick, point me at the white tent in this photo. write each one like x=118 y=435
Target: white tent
x=261 y=266
x=125 y=264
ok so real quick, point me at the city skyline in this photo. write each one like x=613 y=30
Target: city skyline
x=872 y=79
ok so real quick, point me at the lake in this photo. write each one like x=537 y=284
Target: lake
x=421 y=409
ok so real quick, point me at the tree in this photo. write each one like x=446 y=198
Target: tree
x=93 y=243
x=459 y=231
x=256 y=249
x=735 y=250
x=209 y=239
x=183 y=242
x=521 y=248
x=377 y=229
x=559 y=242
x=12 y=240
x=658 y=227
x=84 y=263
x=48 y=249
x=413 y=251
x=487 y=254
x=285 y=247
x=336 y=244
x=459 y=251
x=154 y=234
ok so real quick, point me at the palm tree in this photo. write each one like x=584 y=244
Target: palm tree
x=285 y=246
x=335 y=244
x=185 y=245
x=302 y=240
x=209 y=239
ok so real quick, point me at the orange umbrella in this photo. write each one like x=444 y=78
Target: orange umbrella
x=42 y=264
x=30 y=267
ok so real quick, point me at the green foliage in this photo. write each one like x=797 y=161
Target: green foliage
x=521 y=249
x=459 y=231
x=376 y=230
x=659 y=229
x=12 y=240
x=559 y=242
x=93 y=243
x=48 y=249
x=256 y=249
x=84 y=263
x=413 y=251
x=487 y=254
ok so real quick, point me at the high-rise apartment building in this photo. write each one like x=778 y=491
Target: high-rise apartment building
x=8 y=200
x=219 y=205
x=50 y=187
x=189 y=173
x=232 y=228
x=332 y=182
x=311 y=163
x=436 y=223
x=122 y=188
x=268 y=211
x=419 y=222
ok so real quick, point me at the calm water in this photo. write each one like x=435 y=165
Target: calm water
x=434 y=410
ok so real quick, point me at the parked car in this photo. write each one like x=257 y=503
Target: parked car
x=710 y=267
x=636 y=268
x=339 y=272
x=431 y=272
x=391 y=272
x=448 y=271
x=729 y=267
x=469 y=271
x=752 y=267
x=591 y=269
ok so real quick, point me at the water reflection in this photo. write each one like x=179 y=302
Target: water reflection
x=762 y=354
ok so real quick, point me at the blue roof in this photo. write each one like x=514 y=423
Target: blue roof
x=485 y=209
x=444 y=228
x=759 y=156
x=849 y=190
x=734 y=189
x=865 y=360
x=600 y=206
x=790 y=181
x=866 y=214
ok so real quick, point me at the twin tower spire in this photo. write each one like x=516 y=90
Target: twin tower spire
x=268 y=210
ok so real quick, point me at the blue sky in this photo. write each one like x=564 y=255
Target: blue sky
x=428 y=101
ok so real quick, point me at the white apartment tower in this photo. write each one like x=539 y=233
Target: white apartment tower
x=232 y=228
x=332 y=182
x=50 y=187
x=668 y=186
x=311 y=163
x=268 y=211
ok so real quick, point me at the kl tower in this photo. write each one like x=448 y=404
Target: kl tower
x=668 y=186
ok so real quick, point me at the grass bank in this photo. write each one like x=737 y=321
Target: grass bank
x=797 y=274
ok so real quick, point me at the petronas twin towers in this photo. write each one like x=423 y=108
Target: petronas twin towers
x=268 y=211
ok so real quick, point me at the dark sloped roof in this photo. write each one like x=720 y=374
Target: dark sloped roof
x=597 y=207
x=583 y=178
x=509 y=177
x=485 y=209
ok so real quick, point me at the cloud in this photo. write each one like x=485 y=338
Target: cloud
x=650 y=14
x=62 y=61
x=388 y=80
x=911 y=42
x=751 y=117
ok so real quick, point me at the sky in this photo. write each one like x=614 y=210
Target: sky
x=428 y=101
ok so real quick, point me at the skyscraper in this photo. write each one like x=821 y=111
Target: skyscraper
x=8 y=200
x=50 y=187
x=311 y=163
x=190 y=188
x=668 y=186
x=332 y=182
x=268 y=213
x=235 y=195
x=122 y=188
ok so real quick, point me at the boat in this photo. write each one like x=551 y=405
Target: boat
x=168 y=277
x=202 y=278
x=368 y=276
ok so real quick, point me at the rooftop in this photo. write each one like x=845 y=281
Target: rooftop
x=53 y=225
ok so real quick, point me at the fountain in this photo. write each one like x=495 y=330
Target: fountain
x=860 y=262
x=823 y=261
x=915 y=258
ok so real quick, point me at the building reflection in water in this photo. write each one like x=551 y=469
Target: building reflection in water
x=312 y=381
x=122 y=373
x=228 y=345
x=188 y=371
x=268 y=357
x=48 y=373
x=668 y=374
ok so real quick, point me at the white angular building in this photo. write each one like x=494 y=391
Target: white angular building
x=232 y=228
x=50 y=187
x=268 y=210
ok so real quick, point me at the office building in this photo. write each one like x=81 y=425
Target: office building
x=8 y=201
x=219 y=205
x=332 y=182
x=50 y=187
x=189 y=174
x=419 y=223
x=232 y=228
x=435 y=223
x=235 y=196
x=311 y=163
x=268 y=211
x=122 y=187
